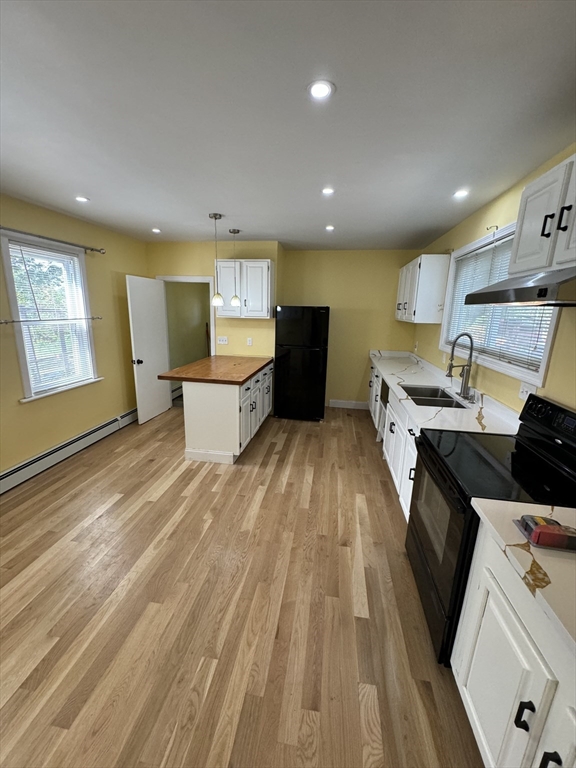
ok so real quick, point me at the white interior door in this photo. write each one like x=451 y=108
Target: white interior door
x=149 y=333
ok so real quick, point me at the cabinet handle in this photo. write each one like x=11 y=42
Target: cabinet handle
x=411 y=432
x=392 y=425
x=543 y=232
x=522 y=707
x=563 y=227
x=398 y=306
x=405 y=305
x=376 y=398
x=244 y=302
x=548 y=758
x=411 y=473
x=370 y=383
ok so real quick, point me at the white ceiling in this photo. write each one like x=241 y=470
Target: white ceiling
x=161 y=111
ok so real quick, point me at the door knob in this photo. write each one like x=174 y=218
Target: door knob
x=139 y=362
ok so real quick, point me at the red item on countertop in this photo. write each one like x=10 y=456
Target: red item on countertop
x=547 y=532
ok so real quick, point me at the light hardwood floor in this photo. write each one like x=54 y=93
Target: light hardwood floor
x=157 y=612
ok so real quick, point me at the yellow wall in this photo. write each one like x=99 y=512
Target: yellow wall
x=360 y=288
x=198 y=259
x=31 y=428
x=188 y=311
x=560 y=384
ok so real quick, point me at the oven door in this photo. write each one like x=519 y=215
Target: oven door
x=438 y=518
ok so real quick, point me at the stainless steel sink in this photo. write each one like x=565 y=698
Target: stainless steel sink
x=437 y=402
x=437 y=392
x=435 y=397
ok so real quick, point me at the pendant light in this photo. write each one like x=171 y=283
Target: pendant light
x=235 y=300
x=217 y=299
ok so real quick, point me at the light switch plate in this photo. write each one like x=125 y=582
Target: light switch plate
x=249 y=341
x=222 y=339
x=526 y=389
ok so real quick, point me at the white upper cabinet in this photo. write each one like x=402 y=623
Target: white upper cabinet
x=545 y=237
x=421 y=289
x=228 y=285
x=253 y=282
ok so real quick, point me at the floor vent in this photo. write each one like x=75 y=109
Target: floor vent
x=26 y=470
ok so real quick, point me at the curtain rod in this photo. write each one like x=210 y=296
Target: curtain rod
x=53 y=240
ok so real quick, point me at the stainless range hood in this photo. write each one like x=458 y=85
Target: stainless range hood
x=543 y=289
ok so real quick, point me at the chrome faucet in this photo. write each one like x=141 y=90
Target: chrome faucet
x=465 y=372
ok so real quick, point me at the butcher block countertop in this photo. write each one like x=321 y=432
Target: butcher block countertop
x=219 y=369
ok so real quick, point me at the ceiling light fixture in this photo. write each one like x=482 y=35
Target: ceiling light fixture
x=328 y=191
x=217 y=299
x=460 y=194
x=329 y=228
x=156 y=230
x=320 y=90
x=235 y=300
x=82 y=199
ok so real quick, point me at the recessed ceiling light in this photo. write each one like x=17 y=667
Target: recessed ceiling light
x=321 y=90
x=82 y=199
x=156 y=230
x=327 y=191
x=460 y=194
x=329 y=228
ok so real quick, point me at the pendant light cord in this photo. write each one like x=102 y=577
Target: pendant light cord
x=216 y=252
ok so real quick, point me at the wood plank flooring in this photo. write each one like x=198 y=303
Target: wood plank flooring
x=159 y=613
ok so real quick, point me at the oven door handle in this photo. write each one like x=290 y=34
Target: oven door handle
x=454 y=499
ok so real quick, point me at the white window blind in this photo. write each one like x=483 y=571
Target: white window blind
x=52 y=310
x=511 y=334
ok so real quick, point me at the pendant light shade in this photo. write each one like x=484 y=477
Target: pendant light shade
x=235 y=300
x=217 y=299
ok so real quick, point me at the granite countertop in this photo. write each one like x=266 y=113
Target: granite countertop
x=491 y=416
x=549 y=574
x=218 y=369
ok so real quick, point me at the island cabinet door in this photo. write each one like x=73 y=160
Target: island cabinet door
x=507 y=686
x=245 y=411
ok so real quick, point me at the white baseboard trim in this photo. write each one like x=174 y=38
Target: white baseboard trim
x=21 y=472
x=359 y=405
x=216 y=457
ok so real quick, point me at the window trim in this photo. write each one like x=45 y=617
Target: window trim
x=514 y=371
x=5 y=238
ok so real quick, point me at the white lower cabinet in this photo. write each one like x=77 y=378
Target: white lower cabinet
x=255 y=404
x=514 y=672
x=399 y=450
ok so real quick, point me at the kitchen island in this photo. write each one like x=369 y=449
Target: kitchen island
x=226 y=399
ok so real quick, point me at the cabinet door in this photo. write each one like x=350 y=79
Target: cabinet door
x=536 y=232
x=398 y=455
x=255 y=410
x=255 y=288
x=371 y=392
x=507 y=685
x=245 y=412
x=400 y=295
x=228 y=283
x=412 y=291
x=389 y=434
x=565 y=251
x=407 y=477
x=557 y=745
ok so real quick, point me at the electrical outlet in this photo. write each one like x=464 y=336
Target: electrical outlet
x=249 y=341
x=526 y=389
x=222 y=339
x=416 y=347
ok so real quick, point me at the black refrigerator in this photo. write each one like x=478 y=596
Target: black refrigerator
x=300 y=360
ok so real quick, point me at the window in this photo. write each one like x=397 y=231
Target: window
x=511 y=339
x=46 y=288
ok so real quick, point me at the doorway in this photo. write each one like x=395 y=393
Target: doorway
x=190 y=319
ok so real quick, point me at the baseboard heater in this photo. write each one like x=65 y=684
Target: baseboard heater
x=356 y=404
x=18 y=474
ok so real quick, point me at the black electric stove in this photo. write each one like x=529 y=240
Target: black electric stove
x=537 y=465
